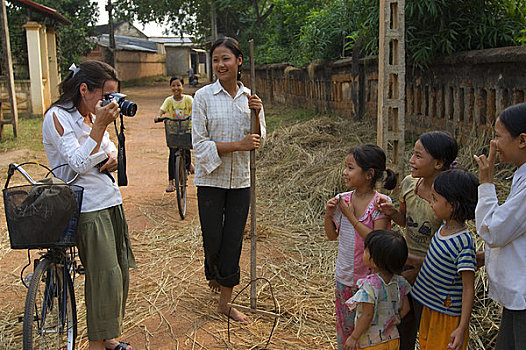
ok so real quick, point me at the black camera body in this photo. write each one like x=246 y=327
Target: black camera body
x=128 y=108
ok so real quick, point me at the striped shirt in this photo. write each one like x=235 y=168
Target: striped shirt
x=217 y=117
x=439 y=283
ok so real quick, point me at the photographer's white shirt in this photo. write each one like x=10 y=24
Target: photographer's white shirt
x=74 y=148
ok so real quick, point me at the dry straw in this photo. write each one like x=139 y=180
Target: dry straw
x=299 y=169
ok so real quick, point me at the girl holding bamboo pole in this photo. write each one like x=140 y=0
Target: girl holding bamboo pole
x=222 y=142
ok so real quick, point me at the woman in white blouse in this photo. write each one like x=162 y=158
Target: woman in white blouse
x=503 y=227
x=74 y=133
x=222 y=140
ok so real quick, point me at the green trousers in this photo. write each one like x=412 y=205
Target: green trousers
x=104 y=249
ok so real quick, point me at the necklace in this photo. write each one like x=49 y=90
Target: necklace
x=453 y=229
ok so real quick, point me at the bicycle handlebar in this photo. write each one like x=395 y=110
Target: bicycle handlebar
x=160 y=119
x=18 y=167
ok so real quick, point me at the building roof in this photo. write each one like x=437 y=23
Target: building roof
x=44 y=10
x=126 y=43
x=105 y=28
x=174 y=41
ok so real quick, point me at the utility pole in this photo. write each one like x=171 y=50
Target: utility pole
x=391 y=82
x=213 y=26
x=7 y=72
x=111 y=55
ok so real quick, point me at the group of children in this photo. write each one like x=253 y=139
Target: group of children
x=390 y=286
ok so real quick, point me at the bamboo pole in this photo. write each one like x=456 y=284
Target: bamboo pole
x=253 y=126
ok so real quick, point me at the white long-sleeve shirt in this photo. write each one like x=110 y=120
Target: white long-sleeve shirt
x=503 y=228
x=74 y=148
x=217 y=117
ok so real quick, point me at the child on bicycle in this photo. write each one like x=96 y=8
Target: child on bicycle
x=177 y=106
x=349 y=218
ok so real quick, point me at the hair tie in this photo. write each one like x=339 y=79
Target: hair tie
x=453 y=165
x=74 y=69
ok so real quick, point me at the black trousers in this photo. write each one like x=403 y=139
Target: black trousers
x=223 y=216
x=512 y=330
x=409 y=325
x=171 y=162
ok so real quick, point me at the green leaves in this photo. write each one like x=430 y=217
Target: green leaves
x=72 y=40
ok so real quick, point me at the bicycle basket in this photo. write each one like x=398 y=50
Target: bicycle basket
x=43 y=215
x=178 y=134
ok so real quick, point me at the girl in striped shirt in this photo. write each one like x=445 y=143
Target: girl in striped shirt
x=445 y=284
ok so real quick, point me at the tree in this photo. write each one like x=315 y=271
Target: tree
x=72 y=41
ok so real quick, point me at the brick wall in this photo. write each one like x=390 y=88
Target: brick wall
x=23 y=98
x=456 y=93
x=133 y=64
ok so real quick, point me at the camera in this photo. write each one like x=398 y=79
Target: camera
x=128 y=108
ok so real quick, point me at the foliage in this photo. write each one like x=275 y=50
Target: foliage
x=300 y=31
x=72 y=40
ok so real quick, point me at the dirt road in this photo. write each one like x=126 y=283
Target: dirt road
x=170 y=306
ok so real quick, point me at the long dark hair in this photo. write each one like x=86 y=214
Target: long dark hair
x=441 y=146
x=514 y=119
x=388 y=249
x=93 y=73
x=370 y=156
x=231 y=44
x=460 y=188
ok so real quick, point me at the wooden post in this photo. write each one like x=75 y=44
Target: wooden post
x=253 y=126
x=8 y=72
x=391 y=82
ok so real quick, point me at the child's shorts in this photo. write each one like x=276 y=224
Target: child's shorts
x=436 y=328
x=393 y=344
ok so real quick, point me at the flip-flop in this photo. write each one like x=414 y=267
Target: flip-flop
x=121 y=346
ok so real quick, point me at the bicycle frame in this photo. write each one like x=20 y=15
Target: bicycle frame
x=67 y=264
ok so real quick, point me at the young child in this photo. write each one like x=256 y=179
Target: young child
x=350 y=217
x=177 y=106
x=433 y=153
x=382 y=299
x=445 y=284
x=503 y=227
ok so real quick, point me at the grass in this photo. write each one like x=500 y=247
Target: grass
x=29 y=136
x=277 y=116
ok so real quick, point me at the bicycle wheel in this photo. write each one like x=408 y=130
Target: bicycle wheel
x=180 y=183
x=50 y=317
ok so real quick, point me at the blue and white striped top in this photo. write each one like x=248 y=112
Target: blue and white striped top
x=439 y=283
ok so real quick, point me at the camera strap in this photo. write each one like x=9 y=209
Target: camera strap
x=122 y=179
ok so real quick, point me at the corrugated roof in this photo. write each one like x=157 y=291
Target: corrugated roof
x=126 y=43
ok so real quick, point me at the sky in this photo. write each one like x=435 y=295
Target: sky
x=150 y=29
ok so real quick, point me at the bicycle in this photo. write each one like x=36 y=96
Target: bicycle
x=179 y=138
x=50 y=317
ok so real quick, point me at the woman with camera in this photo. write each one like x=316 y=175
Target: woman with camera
x=74 y=133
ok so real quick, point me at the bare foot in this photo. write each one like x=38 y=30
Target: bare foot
x=235 y=314
x=214 y=286
x=112 y=344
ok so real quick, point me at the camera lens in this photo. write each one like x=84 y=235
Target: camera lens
x=128 y=108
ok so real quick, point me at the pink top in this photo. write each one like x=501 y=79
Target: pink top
x=349 y=263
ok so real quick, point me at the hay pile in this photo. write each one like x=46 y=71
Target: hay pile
x=298 y=170
x=301 y=167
